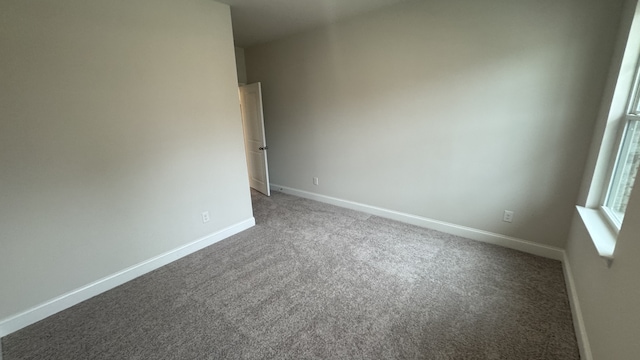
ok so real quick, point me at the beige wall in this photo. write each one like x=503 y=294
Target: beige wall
x=450 y=110
x=119 y=125
x=240 y=65
x=608 y=296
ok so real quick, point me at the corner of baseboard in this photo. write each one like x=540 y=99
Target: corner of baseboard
x=576 y=311
x=65 y=301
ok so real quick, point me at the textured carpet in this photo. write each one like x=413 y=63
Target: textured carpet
x=314 y=281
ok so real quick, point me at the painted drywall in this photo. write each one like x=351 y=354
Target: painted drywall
x=611 y=119
x=119 y=125
x=453 y=110
x=608 y=296
x=240 y=65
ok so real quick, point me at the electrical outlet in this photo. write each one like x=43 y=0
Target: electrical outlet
x=508 y=216
x=315 y=181
x=205 y=217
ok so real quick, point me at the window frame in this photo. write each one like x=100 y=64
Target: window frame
x=632 y=113
x=621 y=92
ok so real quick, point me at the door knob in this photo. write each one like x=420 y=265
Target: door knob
x=263 y=148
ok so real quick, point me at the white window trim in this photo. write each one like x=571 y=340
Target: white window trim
x=612 y=120
x=620 y=148
x=612 y=219
x=602 y=233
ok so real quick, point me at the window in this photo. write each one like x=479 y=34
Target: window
x=614 y=157
x=626 y=164
x=624 y=174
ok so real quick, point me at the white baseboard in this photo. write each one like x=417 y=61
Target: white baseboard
x=39 y=312
x=576 y=312
x=474 y=234
x=530 y=247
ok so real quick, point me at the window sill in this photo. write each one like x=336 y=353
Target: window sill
x=601 y=233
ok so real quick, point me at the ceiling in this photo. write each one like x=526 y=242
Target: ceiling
x=259 y=21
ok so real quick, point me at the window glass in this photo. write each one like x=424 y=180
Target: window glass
x=625 y=172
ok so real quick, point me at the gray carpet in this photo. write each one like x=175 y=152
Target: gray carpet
x=314 y=281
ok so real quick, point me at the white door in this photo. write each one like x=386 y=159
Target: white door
x=255 y=143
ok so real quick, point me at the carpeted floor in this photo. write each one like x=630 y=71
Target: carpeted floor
x=314 y=281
